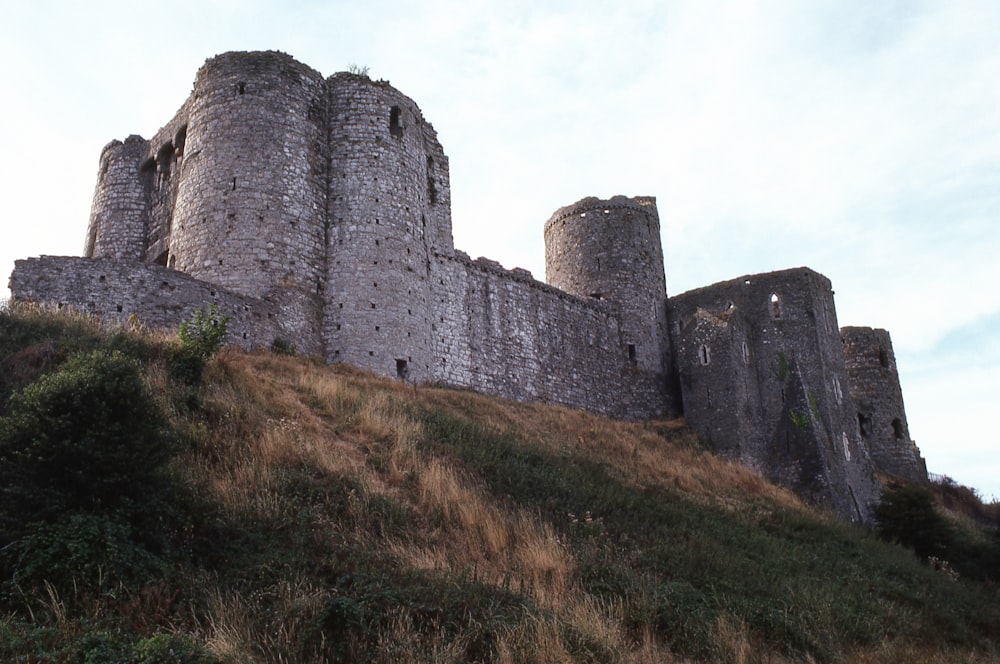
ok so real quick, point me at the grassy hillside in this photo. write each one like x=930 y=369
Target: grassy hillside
x=272 y=509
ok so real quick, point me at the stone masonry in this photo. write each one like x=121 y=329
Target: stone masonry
x=317 y=212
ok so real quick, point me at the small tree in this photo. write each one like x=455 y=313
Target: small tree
x=205 y=332
x=202 y=337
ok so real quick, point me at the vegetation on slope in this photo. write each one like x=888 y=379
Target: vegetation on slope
x=273 y=509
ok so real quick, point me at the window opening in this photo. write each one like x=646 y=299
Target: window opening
x=883 y=357
x=401 y=369
x=775 y=306
x=746 y=353
x=704 y=354
x=242 y=87
x=864 y=425
x=395 y=128
x=631 y=352
x=897 y=429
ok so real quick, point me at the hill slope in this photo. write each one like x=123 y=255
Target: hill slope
x=300 y=512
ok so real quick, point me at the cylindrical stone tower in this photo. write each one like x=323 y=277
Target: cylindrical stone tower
x=610 y=250
x=249 y=214
x=121 y=203
x=389 y=213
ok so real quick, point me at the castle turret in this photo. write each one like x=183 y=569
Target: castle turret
x=389 y=213
x=874 y=385
x=249 y=214
x=121 y=202
x=611 y=251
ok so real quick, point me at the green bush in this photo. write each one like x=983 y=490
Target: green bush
x=907 y=515
x=202 y=337
x=171 y=649
x=90 y=554
x=87 y=438
x=205 y=332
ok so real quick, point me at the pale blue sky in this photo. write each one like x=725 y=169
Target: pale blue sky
x=859 y=138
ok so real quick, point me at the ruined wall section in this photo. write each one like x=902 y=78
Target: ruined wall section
x=113 y=290
x=611 y=251
x=389 y=211
x=501 y=332
x=873 y=383
x=250 y=208
x=763 y=354
x=161 y=172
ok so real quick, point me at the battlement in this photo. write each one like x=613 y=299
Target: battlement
x=317 y=211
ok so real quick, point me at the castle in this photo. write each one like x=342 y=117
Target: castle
x=316 y=212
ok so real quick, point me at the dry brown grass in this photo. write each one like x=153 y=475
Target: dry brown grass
x=273 y=411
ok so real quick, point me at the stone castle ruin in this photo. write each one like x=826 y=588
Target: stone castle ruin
x=316 y=212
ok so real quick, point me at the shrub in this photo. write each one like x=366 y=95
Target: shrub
x=205 y=332
x=86 y=438
x=202 y=337
x=171 y=649
x=88 y=553
x=906 y=515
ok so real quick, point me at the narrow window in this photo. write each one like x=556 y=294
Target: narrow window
x=242 y=87
x=883 y=357
x=704 y=354
x=432 y=194
x=746 y=353
x=897 y=429
x=401 y=369
x=631 y=352
x=775 y=306
x=864 y=425
x=395 y=128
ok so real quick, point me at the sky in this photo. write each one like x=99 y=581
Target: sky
x=860 y=138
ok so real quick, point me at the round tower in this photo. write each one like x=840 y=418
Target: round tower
x=121 y=202
x=610 y=250
x=249 y=214
x=389 y=213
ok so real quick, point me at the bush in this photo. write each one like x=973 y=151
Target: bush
x=202 y=337
x=87 y=438
x=88 y=553
x=205 y=333
x=171 y=649
x=906 y=515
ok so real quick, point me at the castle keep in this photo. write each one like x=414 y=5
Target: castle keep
x=316 y=212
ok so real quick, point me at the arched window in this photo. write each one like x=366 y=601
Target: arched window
x=775 y=306
x=704 y=354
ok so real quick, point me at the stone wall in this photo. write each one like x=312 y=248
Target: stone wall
x=115 y=290
x=501 y=332
x=874 y=385
x=763 y=379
